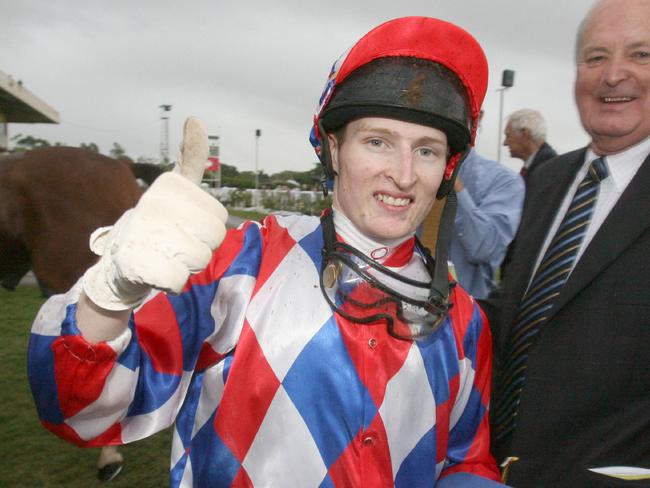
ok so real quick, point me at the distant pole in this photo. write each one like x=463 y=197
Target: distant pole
x=258 y=133
x=164 y=133
x=507 y=81
x=213 y=157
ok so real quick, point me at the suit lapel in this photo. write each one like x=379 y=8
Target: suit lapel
x=546 y=191
x=613 y=237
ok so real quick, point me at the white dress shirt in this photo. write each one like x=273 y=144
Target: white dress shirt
x=621 y=168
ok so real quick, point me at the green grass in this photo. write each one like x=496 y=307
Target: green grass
x=247 y=214
x=31 y=456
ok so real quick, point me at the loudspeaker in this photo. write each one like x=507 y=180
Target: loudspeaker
x=508 y=78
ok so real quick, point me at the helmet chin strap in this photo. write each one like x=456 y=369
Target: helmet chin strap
x=440 y=272
x=448 y=184
x=325 y=157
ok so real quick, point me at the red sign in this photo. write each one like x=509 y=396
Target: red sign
x=212 y=164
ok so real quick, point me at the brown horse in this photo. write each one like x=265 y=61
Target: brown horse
x=51 y=199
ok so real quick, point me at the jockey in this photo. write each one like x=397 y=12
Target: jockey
x=299 y=351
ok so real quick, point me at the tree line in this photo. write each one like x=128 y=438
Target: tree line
x=230 y=175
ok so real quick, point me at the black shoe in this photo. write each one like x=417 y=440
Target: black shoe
x=108 y=472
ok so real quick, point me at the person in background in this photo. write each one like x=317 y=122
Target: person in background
x=525 y=136
x=297 y=351
x=490 y=199
x=571 y=322
x=109 y=463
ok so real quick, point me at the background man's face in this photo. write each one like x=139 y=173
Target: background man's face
x=516 y=141
x=613 y=75
x=388 y=173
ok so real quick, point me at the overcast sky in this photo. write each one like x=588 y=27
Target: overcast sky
x=106 y=67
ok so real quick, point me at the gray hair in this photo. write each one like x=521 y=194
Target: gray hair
x=596 y=6
x=530 y=119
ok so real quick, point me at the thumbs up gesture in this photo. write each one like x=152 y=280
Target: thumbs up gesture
x=170 y=234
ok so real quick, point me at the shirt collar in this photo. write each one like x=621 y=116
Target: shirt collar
x=529 y=159
x=623 y=166
x=395 y=252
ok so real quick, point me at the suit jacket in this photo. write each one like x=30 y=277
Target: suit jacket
x=586 y=400
x=544 y=153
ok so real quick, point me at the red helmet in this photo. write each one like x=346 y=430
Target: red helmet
x=416 y=69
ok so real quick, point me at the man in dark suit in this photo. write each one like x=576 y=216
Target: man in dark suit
x=525 y=136
x=571 y=323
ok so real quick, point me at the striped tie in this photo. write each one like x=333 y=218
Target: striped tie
x=548 y=280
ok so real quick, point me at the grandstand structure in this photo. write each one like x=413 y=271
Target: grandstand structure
x=19 y=105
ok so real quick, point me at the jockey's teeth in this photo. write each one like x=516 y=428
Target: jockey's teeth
x=398 y=202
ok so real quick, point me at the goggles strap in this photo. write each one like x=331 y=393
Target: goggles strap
x=438 y=269
x=440 y=281
x=329 y=234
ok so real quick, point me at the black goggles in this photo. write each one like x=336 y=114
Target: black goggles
x=364 y=291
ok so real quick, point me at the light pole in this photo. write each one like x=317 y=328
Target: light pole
x=258 y=133
x=507 y=80
x=164 y=133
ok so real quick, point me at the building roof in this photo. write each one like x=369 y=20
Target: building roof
x=17 y=104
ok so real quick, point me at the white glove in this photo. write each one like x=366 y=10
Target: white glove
x=169 y=235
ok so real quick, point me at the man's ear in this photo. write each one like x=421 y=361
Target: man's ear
x=334 y=151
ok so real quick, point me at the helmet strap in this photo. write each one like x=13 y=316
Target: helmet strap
x=325 y=154
x=440 y=273
x=448 y=184
x=325 y=159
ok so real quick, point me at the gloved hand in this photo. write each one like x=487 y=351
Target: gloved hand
x=168 y=235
